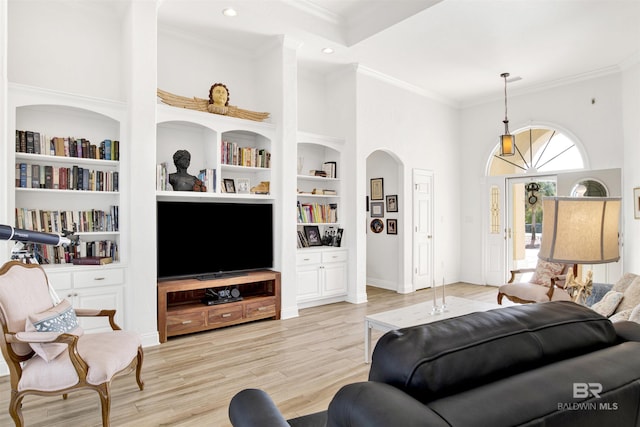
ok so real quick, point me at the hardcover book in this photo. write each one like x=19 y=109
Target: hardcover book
x=92 y=260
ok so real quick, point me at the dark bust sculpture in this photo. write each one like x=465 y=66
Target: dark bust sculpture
x=181 y=180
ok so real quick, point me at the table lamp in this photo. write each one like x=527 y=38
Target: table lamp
x=580 y=230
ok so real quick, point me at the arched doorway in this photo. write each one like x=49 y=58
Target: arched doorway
x=516 y=186
x=384 y=225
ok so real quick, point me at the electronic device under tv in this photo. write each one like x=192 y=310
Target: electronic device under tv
x=209 y=240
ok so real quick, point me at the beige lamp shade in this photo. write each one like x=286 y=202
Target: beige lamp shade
x=580 y=230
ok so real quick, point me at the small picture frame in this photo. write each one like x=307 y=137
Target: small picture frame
x=377 y=189
x=312 y=232
x=338 y=240
x=229 y=185
x=392 y=226
x=243 y=185
x=392 y=203
x=377 y=209
x=636 y=203
x=377 y=225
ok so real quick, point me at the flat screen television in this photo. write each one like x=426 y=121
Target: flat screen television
x=207 y=240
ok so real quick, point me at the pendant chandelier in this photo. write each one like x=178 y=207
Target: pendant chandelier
x=507 y=141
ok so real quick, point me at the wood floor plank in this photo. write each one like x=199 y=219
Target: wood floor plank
x=190 y=380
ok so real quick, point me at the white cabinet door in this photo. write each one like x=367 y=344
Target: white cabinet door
x=335 y=279
x=106 y=298
x=308 y=278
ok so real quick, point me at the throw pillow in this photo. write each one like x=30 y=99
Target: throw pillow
x=635 y=314
x=608 y=304
x=624 y=282
x=60 y=318
x=621 y=316
x=631 y=295
x=545 y=271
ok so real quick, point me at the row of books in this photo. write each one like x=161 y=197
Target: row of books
x=48 y=221
x=317 y=213
x=303 y=242
x=48 y=254
x=232 y=154
x=36 y=143
x=63 y=178
x=207 y=176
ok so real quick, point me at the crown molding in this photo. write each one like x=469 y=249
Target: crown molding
x=565 y=81
x=315 y=10
x=361 y=69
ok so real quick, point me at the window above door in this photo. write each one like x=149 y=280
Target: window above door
x=538 y=150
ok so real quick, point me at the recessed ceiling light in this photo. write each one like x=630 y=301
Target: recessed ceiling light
x=229 y=11
x=327 y=50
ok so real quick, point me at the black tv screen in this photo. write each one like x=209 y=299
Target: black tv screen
x=204 y=240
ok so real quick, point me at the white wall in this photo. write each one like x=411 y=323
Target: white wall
x=423 y=134
x=631 y=171
x=313 y=103
x=68 y=46
x=597 y=126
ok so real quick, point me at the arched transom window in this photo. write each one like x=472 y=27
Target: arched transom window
x=538 y=150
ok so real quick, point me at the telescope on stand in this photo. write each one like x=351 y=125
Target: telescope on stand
x=22 y=252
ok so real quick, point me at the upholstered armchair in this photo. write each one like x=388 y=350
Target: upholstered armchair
x=546 y=284
x=47 y=351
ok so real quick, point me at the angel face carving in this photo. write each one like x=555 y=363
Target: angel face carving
x=219 y=95
x=218 y=103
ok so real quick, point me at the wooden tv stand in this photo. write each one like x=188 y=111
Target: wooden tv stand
x=181 y=310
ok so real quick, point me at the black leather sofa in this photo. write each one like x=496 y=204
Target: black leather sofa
x=547 y=364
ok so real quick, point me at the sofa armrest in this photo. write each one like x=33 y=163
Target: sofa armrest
x=254 y=408
x=627 y=331
x=375 y=404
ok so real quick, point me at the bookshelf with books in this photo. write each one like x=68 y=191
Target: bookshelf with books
x=68 y=161
x=67 y=169
x=231 y=156
x=319 y=188
x=321 y=264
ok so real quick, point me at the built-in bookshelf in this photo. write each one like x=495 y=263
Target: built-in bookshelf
x=321 y=262
x=67 y=170
x=231 y=156
x=319 y=189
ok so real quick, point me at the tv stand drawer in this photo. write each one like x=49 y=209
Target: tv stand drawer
x=265 y=307
x=225 y=314
x=184 y=322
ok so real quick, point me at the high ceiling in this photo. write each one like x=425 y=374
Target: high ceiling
x=453 y=50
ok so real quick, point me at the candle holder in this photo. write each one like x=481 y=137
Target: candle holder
x=443 y=307
x=435 y=309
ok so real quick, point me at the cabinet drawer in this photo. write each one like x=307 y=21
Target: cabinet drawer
x=308 y=258
x=98 y=277
x=337 y=256
x=224 y=314
x=265 y=307
x=181 y=322
x=60 y=281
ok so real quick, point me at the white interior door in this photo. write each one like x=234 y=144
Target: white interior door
x=422 y=229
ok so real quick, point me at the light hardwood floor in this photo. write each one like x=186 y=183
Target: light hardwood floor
x=189 y=380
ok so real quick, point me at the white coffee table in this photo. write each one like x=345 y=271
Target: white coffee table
x=418 y=314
